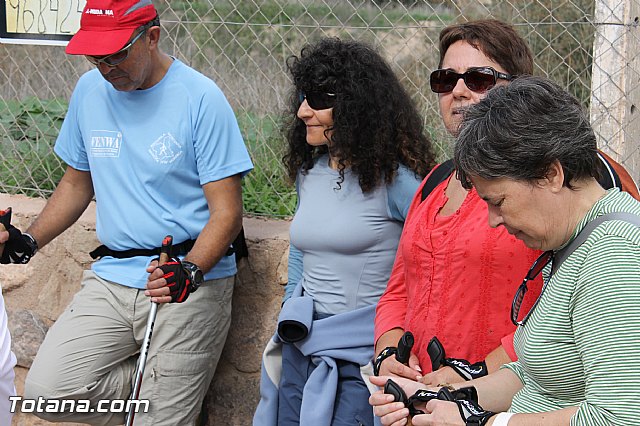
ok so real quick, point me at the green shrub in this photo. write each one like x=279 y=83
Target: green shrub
x=27 y=163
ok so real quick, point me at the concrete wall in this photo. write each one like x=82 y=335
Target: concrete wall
x=36 y=293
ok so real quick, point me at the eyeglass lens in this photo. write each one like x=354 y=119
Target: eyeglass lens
x=118 y=57
x=318 y=100
x=525 y=298
x=477 y=79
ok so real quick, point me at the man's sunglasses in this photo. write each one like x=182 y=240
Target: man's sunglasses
x=318 y=100
x=117 y=58
x=477 y=79
x=542 y=261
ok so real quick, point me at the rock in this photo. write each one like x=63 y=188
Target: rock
x=27 y=333
x=232 y=397
x=256 y=304
x=14 y=276
x=283 y=268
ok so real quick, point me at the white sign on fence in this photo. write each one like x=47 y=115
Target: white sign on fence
x=50 y=22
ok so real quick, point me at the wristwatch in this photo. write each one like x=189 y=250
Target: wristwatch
x=195 y=275
x=31 y=242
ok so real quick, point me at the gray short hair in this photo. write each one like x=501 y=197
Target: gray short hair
x=518 y=130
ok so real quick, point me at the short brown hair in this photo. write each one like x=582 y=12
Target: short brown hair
x=496 y=39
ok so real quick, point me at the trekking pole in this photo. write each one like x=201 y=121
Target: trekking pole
x=165 y=253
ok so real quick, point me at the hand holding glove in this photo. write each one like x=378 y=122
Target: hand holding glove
x=19 y=248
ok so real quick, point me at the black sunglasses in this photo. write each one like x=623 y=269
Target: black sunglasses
x=477 y=79
x=537 y=267
x=117 y=58
x=318 y=100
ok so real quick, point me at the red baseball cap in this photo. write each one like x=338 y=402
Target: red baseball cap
x=107 y=25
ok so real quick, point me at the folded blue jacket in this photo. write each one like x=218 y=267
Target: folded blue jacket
x=347 y=336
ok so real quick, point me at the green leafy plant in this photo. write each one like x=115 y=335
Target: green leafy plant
x=29 y=128
x=28 y=165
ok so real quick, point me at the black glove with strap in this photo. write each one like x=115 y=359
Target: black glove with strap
x=465 y=398
x=467 y=401
x=464 y=368
x=178 y=280
x=19 y=248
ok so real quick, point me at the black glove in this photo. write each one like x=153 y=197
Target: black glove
x=472 y=413
x=465 y=398
x=178 y=280
x=464 y=368
x=20 y=247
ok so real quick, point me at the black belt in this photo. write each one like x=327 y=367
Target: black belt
x=176 y=250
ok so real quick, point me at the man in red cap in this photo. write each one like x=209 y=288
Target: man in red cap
x=158 y=146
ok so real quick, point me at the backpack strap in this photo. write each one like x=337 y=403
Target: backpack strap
x=608 y=176
x=626 y=181
x=561 y=255
x=437 y=176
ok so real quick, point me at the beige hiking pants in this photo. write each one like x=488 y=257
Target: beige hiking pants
x=90 y=353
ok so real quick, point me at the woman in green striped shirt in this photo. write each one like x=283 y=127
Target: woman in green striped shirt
x=530 y=152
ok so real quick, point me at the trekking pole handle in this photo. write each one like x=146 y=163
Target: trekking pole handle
x=405 y=344
x=165 y=250
x=436 y=353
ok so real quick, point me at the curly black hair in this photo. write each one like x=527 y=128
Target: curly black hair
x=376 y=126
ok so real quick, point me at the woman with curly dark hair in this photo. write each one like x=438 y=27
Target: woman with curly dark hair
x=375 y=124
x=357 y=153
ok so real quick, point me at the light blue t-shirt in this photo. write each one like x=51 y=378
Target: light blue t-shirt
x=344 y=242
x=149 y=153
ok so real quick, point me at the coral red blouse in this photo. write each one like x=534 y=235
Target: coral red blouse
x=454 y=277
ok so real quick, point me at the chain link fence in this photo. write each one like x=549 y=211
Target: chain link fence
x=588 y=46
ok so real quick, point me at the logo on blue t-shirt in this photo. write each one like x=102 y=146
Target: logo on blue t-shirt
x=165 y=149
x=105 y=143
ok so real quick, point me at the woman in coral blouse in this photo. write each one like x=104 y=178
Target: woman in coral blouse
x=454 y=276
